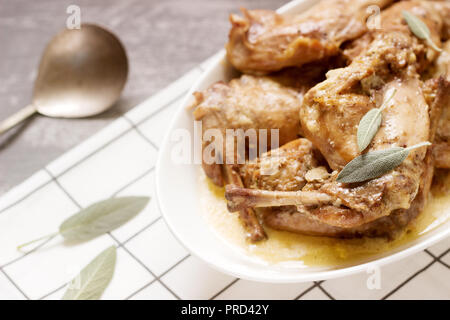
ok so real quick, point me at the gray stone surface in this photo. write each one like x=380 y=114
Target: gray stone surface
x=163 y=38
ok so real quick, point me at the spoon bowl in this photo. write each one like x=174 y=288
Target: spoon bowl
x=82 y=73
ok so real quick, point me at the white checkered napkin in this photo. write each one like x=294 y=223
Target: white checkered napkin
x=151 y=264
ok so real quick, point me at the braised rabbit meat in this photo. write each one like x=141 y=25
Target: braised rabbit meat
x=315 y=78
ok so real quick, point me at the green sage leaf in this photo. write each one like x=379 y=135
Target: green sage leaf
x=374 y=164
x=419 y=29
x=368 y=127
x=92 y=281
x=371 y=121
x=97 y=219
x=101 y=217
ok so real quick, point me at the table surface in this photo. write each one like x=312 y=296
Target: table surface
x=164 y=39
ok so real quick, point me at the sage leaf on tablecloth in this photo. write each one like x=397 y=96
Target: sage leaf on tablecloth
x=419 y=29
x=101 y=217
x=98 y=218
x=371 y=121
x=92 y=281
x=374 y=164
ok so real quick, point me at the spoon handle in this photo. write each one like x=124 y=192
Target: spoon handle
x=19 y=116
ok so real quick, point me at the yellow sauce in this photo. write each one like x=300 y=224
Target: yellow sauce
x=288 y=248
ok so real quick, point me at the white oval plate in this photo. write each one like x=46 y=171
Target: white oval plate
x=177 y=194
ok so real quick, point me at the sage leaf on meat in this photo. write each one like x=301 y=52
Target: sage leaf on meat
x=374 y=164
x=97 y=219
x=371 y=121
x=92 y=281
x=419 y=29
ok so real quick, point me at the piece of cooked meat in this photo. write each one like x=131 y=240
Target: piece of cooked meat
x=443 y=7
x=304 y=78
x=246 y=103
x=391 y=19
x=263 y=41
x=354 y=48
x=250 y=102
x=442 y=141
x=441 y=180
x=288 y=218
x=281 y=169
x=248 y=217
x=331 y=111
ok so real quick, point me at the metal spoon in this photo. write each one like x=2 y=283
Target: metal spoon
x=82 y=73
